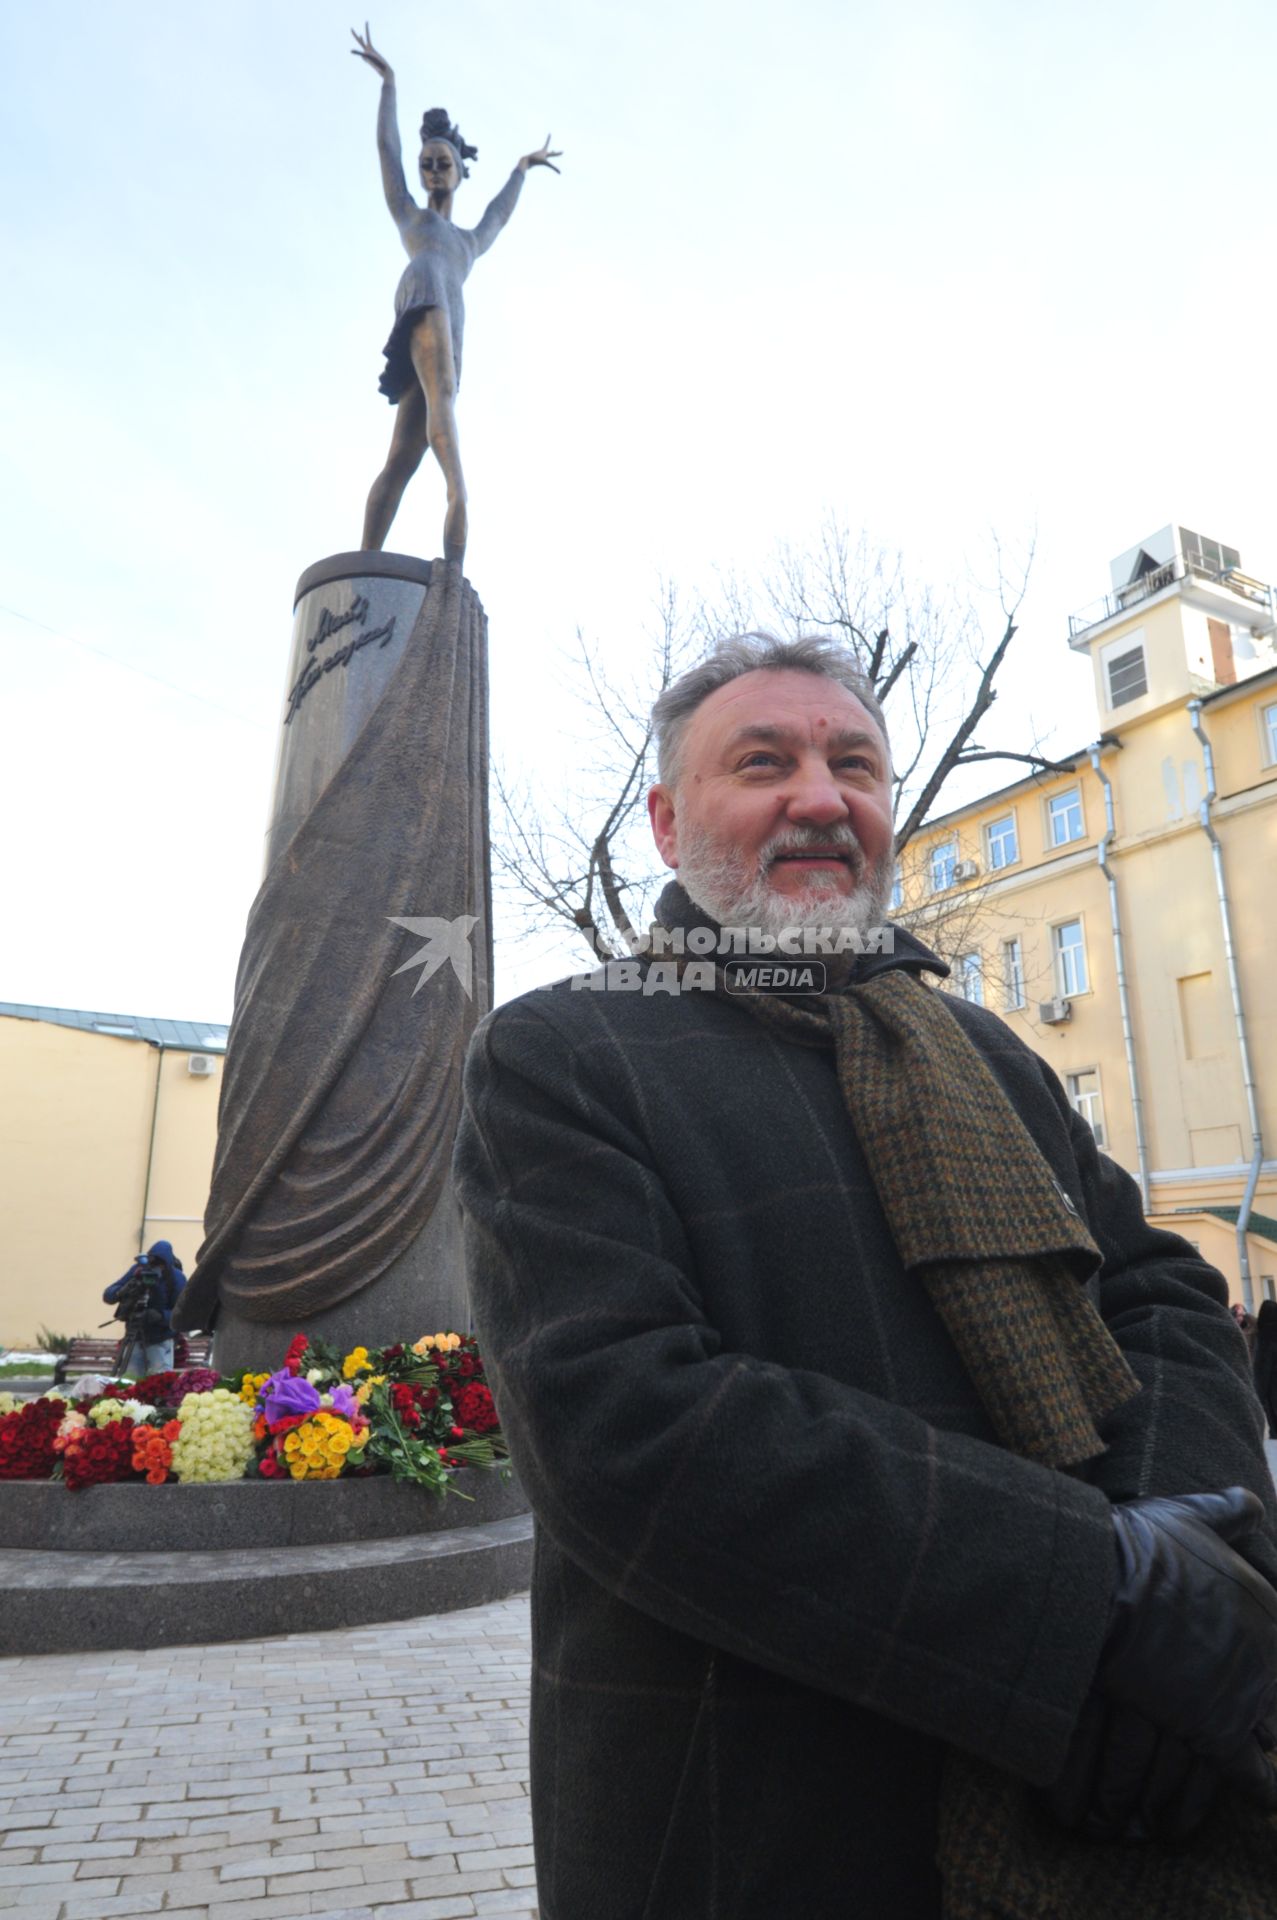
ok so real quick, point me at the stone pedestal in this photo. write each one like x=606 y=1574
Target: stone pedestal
x=135 y=1566
x=352 y=615
x=331 y=1207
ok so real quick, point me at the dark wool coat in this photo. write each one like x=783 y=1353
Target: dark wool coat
x=781 y=1562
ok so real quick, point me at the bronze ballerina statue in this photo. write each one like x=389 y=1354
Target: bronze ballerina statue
x=423 y=353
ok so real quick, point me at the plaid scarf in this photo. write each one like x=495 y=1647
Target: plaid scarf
x=975 y=1212
x=982 y=1223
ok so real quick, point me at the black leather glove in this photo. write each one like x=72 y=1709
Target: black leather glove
x=1192 y=1642
x=1185 y=1696
x=1126 y=1779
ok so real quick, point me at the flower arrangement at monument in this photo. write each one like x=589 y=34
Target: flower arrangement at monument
x=419 y=1412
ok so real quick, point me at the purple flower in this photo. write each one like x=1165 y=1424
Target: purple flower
x=343 y=1401
x=285 y=1393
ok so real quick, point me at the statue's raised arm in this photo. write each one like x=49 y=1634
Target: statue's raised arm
x=398 y=199
x=423 y=353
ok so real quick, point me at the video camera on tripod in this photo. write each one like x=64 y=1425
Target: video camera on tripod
x=135 y=1303
x=140 y=1305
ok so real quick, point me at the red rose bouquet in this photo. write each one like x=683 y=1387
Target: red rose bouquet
x=95 y=1456
x=26 y=1440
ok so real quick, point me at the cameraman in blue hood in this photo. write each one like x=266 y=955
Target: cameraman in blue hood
x=144 y=1299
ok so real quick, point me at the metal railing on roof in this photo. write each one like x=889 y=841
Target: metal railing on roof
x=1148 y=584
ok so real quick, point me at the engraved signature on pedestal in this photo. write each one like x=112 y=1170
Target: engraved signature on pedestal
x=329 y=624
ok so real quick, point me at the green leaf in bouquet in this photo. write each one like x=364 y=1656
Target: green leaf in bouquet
x=476 y=1450
x=322 y=1353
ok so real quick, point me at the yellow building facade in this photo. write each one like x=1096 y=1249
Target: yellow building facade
x=107 y=1130
x=1121 y=914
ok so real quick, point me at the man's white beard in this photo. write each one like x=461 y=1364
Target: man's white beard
x=737 y=894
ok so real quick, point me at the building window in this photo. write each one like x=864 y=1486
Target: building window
x=1012 y=974
x=1127 y=676
x=897 y=891
x=1270 y=734
x=1207 y=556
x=944 y=859
x=1070 y=958
x=1003 y=847
x=1084 y=1098
x=1266 y=1282
x=968 y=978
x=1064 y=811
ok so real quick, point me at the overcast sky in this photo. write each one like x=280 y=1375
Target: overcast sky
x=937 y=270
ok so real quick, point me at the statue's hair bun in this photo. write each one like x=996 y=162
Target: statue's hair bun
x=436 y=125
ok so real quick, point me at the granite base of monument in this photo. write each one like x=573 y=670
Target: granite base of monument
x=138 y=1566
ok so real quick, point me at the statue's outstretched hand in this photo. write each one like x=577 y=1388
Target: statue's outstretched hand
x=365 y=49
x=543 y=157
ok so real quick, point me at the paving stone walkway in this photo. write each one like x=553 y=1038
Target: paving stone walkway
x=377 y=1771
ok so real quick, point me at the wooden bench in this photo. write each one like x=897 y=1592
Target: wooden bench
x=102 y=1356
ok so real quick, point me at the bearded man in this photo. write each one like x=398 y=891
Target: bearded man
x=882 y=1456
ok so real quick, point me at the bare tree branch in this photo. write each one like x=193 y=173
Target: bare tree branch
x=984 y=698
x=1038 y=760
x=883 y=688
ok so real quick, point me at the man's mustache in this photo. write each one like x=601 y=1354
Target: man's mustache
x=840 y=840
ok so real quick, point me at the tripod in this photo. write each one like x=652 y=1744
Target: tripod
x=137 y=1343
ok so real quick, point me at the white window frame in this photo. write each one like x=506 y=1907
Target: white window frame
x=999 y=865
x=1060 y=961
x=1089 y=1105
x=1055 y=800
x=941 y=847
x=968 y=972
x=1268 y=727
x=1013 y=974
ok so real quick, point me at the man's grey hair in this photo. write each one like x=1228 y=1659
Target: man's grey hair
x=748 y=653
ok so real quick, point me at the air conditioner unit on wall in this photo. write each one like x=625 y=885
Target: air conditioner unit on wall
x=201 y=1065
x=967 y=870
x=1053 y=1013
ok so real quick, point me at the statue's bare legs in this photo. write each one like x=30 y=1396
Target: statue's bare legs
x=426 y=416
x=431 y=349
x=408 y=443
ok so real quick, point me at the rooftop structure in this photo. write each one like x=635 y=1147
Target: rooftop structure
x=202 y=1036
x=1176 y=559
